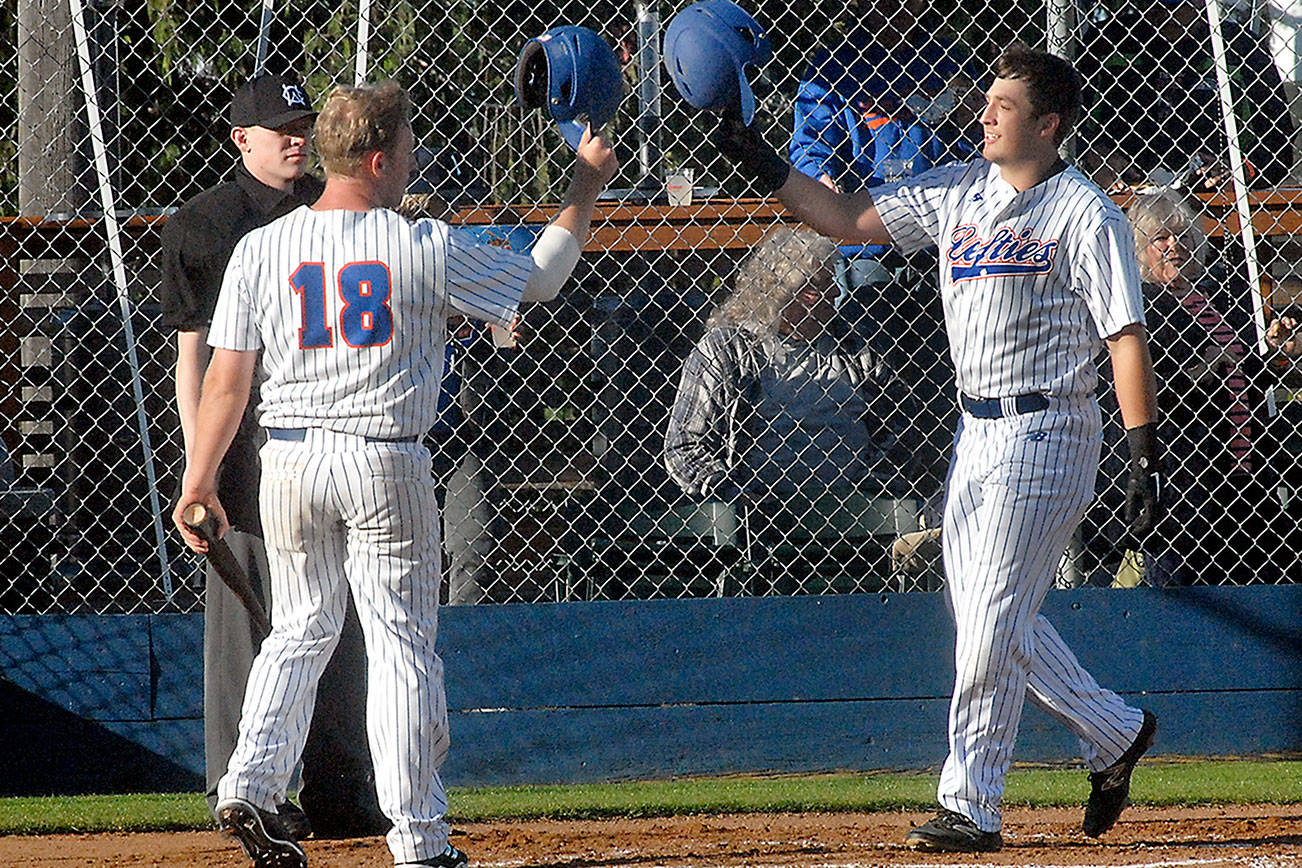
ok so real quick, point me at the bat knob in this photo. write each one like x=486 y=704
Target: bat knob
x=195 y=514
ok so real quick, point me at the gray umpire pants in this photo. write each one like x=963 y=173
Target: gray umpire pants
x=464 y=483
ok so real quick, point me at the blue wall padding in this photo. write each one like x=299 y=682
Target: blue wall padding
x=652 y=689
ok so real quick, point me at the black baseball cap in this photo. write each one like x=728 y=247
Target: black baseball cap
x=270 y=101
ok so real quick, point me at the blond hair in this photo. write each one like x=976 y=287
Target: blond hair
x=1153 y=215
x=771 y=276
x=357 y=121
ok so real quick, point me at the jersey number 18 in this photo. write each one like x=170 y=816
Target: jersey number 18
x=365 y=320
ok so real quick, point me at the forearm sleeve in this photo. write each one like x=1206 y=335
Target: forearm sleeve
x=554 y=254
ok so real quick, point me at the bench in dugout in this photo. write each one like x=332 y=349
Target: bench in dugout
x=834 y=542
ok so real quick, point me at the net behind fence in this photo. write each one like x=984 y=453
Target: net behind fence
x=558 y=482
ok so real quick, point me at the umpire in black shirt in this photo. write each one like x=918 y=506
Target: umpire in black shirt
x=271 y=126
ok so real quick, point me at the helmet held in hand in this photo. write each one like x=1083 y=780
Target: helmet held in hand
x=574 y=74
x=708 y=48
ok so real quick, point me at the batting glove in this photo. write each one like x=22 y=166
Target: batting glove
x=754 y=158
x=1144 y=491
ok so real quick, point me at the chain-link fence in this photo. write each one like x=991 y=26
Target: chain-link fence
x=557 y=481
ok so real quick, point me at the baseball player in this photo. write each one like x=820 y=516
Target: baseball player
x=271 y=125
x=348 y=303
x=1037 y=270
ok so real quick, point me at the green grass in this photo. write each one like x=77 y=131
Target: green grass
x=1162 y=783
x=1184 y=783
x=143 y=812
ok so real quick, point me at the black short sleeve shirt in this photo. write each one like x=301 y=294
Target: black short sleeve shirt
x=198 y=239
x=196 y=243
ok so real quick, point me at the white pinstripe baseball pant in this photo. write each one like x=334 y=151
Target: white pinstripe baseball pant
x=1018 y=487
x=341 y=513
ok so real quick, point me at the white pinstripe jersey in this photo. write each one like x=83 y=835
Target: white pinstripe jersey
x=1031 y=281
x=350 y=310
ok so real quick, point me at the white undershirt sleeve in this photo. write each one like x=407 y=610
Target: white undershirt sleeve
x=554 y=254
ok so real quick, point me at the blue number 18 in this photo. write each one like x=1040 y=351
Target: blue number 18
x=365 y=320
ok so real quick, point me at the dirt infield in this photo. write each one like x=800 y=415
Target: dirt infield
x=1258 y=836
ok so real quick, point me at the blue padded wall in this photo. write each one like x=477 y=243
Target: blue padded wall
x=650 y=689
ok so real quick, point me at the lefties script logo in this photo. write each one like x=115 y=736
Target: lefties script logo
x=971 y=256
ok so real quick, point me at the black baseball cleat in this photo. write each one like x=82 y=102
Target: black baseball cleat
x=951 y=832
x=294 y=820
x=261 y=834
x=451 y=857
x=1110 y=788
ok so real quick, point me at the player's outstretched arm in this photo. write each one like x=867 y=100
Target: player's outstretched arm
x=844 y=216
x=558 y=247
x=221 y=408
x=594 y=165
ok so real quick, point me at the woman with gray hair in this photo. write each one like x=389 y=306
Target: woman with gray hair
x=780 y=402
x=790 y=264
x=1210 y=396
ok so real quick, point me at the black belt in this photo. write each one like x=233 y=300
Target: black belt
x=997 y=408
x=298 y=435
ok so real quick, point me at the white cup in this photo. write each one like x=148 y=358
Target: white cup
x=679 y=187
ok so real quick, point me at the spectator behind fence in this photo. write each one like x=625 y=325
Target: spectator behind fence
x=271 y=124
x=884 y=100
x=780 y=403
x=1286 y=313
x=469 y=463
x=1155 y=111
x=890 y=99
x=1223 y=519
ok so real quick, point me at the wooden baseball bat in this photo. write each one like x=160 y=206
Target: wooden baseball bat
x=197 y=517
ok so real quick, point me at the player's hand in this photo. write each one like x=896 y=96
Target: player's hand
x=1282 y=335
x=1144 y=490
x=1212 y=173
x=209 y=499
x=596 y=161
x=755 y=159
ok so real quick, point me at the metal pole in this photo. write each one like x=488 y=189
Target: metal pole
x=264 y=37
x=363 y=37
x=1246 y=229
x=649 y=155
x=1061 y=28
x=1060 y=36
x=113 y=231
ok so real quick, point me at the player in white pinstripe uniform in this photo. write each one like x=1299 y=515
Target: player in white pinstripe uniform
x=1037 y=273
x=348 y=302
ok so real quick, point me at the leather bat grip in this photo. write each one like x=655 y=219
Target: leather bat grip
x=197 y=517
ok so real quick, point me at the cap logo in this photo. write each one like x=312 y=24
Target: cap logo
x=293 y=95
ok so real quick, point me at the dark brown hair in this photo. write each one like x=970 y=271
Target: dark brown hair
x=1052 y=83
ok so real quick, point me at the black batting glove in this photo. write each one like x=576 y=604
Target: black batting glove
x=1144 y=490
x=754 y=158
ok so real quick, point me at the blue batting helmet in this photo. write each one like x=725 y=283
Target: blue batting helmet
x=574 y=73
x=707 y=48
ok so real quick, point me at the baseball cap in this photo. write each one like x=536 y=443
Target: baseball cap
x=270 y=101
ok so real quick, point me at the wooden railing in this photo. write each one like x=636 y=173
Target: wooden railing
x=619 y=226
